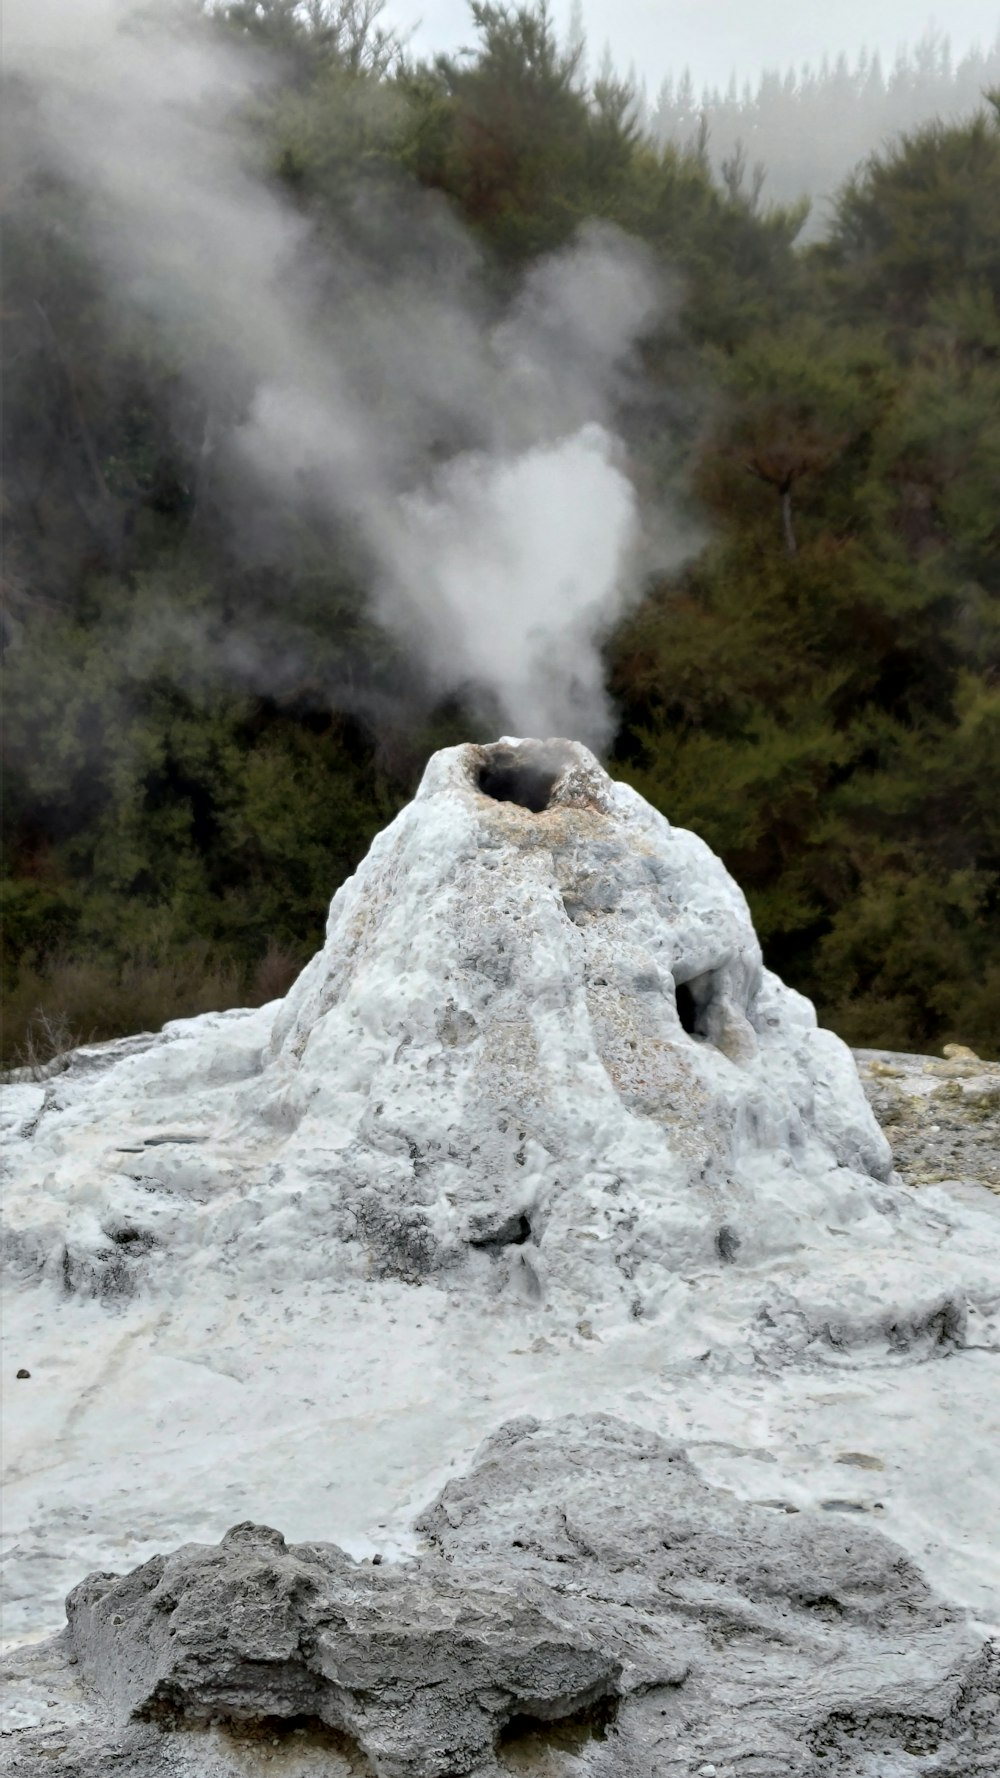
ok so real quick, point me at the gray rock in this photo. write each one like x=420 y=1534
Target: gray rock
x=753 y=1640
x=585 y=1603
x=419 y=1667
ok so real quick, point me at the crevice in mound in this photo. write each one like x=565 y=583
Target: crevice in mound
x=523 y=1738
x=697 y=1000
x=127 y=1235
x=727 y=1244
x=825 y=1605
x=297 y=1734
x=687 y=1010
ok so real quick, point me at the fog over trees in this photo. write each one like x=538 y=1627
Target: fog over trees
x=353 y=358
x=799 y=132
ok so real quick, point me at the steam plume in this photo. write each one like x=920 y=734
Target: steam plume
x=335 y=381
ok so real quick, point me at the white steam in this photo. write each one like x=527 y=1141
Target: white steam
x=335 y=374
x=536 y=547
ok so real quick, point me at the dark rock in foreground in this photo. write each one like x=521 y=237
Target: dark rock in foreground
x=586 y=1603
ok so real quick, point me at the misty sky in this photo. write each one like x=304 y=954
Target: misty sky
x=718 y=37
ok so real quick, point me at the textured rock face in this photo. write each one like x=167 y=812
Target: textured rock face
x=539 y=1024
x=420 y=1669
x=583 y=1590
x=560 y=1025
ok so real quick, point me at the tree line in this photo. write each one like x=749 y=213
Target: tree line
x=799 y=132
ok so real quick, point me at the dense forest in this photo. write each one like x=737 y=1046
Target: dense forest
x=206 y=721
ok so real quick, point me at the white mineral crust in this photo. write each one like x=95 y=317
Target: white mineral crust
x=539 y=1071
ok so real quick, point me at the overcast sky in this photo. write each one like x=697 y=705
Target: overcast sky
x=716 y=38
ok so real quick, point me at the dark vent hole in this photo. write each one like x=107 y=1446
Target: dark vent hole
x=727 y=1244
x=687 y=1010
x=571 y=1733
x=124 y=1235
x=512 y=1233
x=511 y=781
x=301 y=1733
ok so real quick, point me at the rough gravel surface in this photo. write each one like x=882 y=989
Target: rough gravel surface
x=941 y=1115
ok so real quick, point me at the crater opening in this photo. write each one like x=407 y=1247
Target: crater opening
x=295 y=1734
x=507 y=778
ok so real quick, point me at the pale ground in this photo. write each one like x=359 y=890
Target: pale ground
x=140 y=1430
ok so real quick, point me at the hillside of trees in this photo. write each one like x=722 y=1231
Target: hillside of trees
x=205 y=726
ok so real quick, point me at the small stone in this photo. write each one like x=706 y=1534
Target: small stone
x=706 y=1772
x=23 y=1373
x=860 y=1460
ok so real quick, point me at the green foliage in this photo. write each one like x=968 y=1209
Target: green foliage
x=518 y=143
x=314 y=35
x=921 y=220
x=188 y=776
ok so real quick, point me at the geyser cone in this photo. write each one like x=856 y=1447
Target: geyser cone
x=539 y=1031
x=542 y=1008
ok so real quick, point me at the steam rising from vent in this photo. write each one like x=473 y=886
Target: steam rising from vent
x=539 y=545
x=331 y=377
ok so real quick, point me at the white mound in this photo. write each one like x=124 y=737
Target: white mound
x=539 y=1070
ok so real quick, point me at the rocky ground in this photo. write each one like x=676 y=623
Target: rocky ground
x=583 y=1603
x=604 y=1611
x=940 y=1114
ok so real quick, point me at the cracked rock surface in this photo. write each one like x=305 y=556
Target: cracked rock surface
x=584 y=1603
